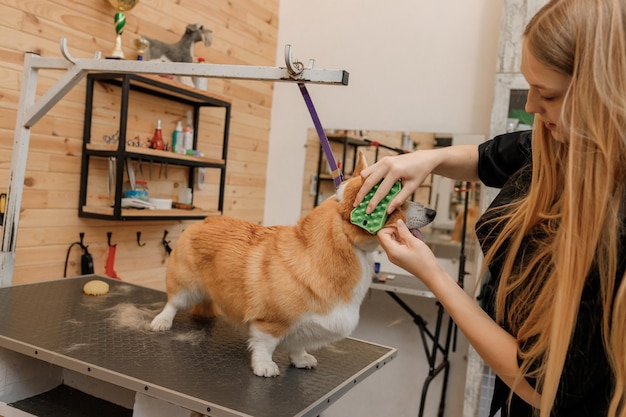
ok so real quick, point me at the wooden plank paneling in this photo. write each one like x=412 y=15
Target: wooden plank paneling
x=245 y=32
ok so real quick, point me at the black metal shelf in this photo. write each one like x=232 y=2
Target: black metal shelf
x=121 y=151
x=146 y=154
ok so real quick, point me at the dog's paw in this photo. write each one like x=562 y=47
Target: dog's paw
x=303 y=360
x=160 y=324
x=265 y=368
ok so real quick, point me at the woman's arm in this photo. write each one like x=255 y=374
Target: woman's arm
x=456 y=162
x=497 y=347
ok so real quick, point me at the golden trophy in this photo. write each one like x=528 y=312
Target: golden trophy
x=120 y=21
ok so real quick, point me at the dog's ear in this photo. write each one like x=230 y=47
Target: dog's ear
x=361 y=164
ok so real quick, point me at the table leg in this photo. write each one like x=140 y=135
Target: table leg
x=434 y=369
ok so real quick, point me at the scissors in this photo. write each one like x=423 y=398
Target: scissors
x=134 y=142
x=111 y=139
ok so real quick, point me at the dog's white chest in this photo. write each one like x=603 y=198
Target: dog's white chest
x=340 y=322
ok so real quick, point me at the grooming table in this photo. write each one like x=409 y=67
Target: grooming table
x=410 y=285
x=202 y=365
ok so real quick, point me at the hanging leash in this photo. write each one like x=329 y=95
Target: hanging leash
x=371 y=222
x=295 y=69
x=335 y=172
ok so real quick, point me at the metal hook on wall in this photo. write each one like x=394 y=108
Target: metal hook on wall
x=109 y=235
x=166 y=243
x=139 y=240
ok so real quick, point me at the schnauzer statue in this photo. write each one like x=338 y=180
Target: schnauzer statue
x=181 y=51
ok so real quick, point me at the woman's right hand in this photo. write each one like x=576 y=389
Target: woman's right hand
x=411 y=168
x=458 y=162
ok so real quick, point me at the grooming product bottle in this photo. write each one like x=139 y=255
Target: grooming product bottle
x=185 y=195
x=188 y=133
x=201 y=82
x=157 y=138
x=407 y=142
x=177 y=138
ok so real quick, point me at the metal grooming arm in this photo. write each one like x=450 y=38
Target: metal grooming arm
x=30 y=111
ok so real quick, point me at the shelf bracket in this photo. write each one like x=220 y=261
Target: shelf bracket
x=30 y=110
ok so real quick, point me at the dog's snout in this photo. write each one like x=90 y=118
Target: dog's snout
x=417 y=215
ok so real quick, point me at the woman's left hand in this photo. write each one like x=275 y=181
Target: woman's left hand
x=408 y=252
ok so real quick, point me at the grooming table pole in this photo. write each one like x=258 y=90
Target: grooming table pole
x=30 y=110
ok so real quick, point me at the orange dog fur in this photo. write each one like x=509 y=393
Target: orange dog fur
x=299 y=286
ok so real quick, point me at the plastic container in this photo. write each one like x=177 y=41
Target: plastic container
x=177 y=139
x=188 y=133
x=161 y=203
x=185 y=195
x=187 y=140
x=140 y=192
x=201 y=83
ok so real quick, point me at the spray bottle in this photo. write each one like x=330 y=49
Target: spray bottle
x=177 y=138
x=188 y=133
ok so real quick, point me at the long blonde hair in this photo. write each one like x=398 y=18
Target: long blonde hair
x=576 y=198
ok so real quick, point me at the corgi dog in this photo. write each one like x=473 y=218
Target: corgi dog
x=295 y=287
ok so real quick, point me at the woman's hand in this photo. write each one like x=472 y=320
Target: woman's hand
x=455 y=162
x=497 y=347
x=408 y=252
x=411 y=168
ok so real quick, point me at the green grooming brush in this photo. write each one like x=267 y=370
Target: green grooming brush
x=374 y=221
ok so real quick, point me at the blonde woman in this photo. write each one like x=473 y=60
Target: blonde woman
x=555 y=236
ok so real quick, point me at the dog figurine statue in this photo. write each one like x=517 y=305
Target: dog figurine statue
x=181 y=51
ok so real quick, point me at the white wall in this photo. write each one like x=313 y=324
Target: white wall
x=415 y=65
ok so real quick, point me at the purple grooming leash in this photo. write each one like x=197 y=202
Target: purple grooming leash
x=335 y=171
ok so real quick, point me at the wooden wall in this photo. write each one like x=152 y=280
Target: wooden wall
x=244 y=32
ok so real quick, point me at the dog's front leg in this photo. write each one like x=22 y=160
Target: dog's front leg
x=262 y=346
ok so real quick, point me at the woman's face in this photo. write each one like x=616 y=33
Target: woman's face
x=546 y=93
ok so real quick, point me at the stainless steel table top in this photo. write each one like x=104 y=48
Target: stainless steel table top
x=202 y=365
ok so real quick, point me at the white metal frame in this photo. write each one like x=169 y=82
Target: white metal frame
x=30 y=110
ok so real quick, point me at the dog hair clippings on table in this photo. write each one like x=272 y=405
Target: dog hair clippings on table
x=374 y=221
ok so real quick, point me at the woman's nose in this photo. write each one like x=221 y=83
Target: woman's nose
x=532 y=103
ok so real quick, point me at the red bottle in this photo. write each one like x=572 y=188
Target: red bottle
x=157 y=138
